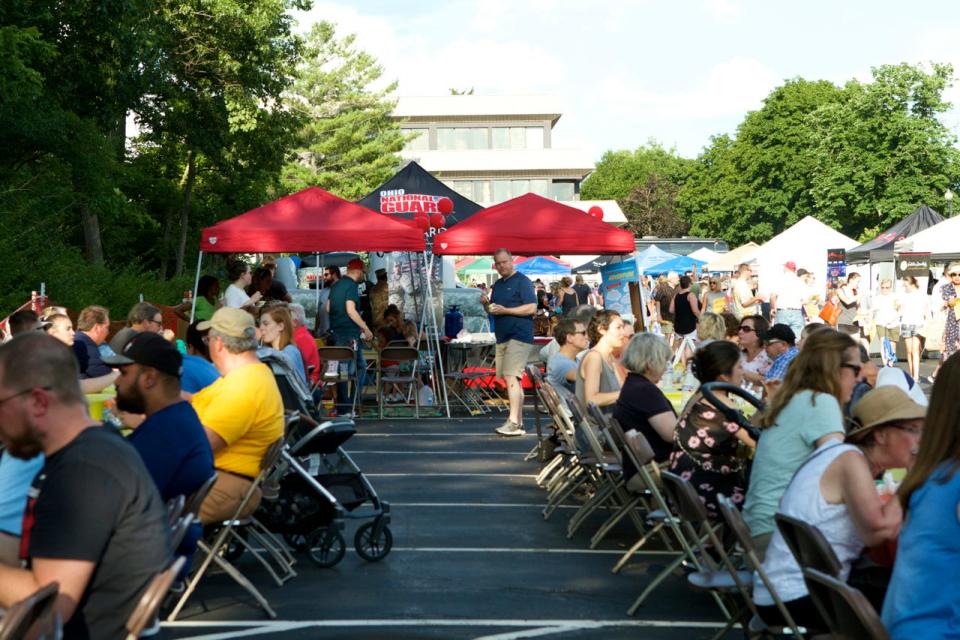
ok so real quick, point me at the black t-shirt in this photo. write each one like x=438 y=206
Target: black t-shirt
x=663 y=295
x=94 y=500
x=639 y=400
x=583 y=293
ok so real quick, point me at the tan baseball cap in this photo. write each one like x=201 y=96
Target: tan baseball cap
x=230 y=321
x=881 y=406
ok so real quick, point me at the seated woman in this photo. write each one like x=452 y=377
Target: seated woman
x=756 y=362
x=276 y=331
x=804 y=414
x=642 y=407
x=705 y=442
x=922 y=599
x=597 y=378
x=834 y=491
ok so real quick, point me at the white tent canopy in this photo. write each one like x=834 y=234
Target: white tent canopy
x=705 y=255
x=940 y=241
x=730 y=260
x=806 y=243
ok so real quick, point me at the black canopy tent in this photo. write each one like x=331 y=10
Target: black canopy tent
x=880 y=249
x=594 y=266
x=413 y=189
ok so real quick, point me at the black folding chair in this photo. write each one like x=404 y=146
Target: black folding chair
x=847 y=612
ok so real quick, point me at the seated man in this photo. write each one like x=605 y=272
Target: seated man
x=780 y=343
x=562 y=366
x=143 y=317
x=95 y=522
x=23 y=321
x=242 y=412
x=171 y=440
x=93 y=325
x=16 y=475
x=198 y=372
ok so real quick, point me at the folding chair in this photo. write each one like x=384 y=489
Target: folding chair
x=736 y=524
x=175 y=508
x=809 y=547
x=720 y=583
x=195 y=500
x=343 y=356
x=847 y=612
x=212 y=551
x=146 y=609
x=179 y=529
x=35 y=609
x=411 y=379
x=536 y=381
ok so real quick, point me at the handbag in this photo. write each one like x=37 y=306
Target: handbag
x=830 y=313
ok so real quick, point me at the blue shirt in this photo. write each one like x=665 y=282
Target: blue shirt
x=88 y=357
x=198 y=374
x=340 y=323
x=16 y=476
x=296 y=360
x=514 y=291
x=779 y=367
x=922 y=600
x=175 y=450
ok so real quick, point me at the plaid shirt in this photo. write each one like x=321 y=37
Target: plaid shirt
x=779 y=367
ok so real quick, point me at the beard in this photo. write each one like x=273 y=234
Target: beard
x=23 y=446
x=130 y=400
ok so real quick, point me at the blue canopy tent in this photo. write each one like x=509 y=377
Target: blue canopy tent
x=678 y=264
x=543 y=266
x=651 y=256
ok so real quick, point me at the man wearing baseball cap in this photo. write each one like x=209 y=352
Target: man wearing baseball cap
x=780 y=342
x=348 y=327
x=786 y=302
x=171 y=440
x=242 y=412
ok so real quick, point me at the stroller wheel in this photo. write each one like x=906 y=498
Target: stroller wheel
x=370 y=546
x=297 y=541
x=326 y=547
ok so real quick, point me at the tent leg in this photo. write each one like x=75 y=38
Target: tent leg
x=441 y=381
x=196 y=286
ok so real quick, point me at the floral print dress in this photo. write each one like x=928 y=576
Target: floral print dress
x=704 y=452
x=951 y=328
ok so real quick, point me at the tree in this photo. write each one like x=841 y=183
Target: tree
x=883 y=150
x=349 y=142
x=645 y=183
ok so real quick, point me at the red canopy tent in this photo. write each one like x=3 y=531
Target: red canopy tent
x=532 y=225
x=311 y=220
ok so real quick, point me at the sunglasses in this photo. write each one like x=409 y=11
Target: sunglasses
x=855 y=368
x=954 y=275
x=746 y=329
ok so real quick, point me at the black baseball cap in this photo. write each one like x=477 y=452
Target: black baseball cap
x=150 y=350
x=779 y=332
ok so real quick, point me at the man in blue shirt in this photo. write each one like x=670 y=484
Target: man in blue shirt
x=348 y=327
x=513 y=301
x=93 y=325
x=171 y=441
x=781 y=347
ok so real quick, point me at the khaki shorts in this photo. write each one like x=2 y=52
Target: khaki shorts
x=225 y=496
x=511 y=358
x=666 y=327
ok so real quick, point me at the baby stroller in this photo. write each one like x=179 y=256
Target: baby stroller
x=318 y=484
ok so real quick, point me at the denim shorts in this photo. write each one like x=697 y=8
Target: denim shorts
x=909 y=331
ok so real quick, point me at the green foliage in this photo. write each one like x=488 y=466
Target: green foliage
x=645 y=183
x=348 y=144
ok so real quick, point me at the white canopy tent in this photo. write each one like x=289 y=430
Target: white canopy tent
x=705 y=255
x=806 y=243
x=730 y=260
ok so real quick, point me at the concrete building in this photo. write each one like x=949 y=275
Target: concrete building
x=493 y=148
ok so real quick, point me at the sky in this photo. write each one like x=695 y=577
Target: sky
x=632 y=71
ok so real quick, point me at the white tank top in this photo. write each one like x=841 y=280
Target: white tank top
x=803 y=500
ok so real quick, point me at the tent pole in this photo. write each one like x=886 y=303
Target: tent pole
x=196 y=286
x=441 y=381
x=316 y=287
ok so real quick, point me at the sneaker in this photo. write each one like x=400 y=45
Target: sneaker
x=510 y=428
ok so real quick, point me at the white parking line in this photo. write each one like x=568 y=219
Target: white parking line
x=445 y=453
x=449 y=475
x=485 y=434
x=473 y=505
x=600 y=552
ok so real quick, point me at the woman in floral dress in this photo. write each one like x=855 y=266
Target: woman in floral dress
x=705 y=443
x=951 y=328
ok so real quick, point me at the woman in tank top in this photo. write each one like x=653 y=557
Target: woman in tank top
x=834 y=491
x=598 y=379
x=685 y=309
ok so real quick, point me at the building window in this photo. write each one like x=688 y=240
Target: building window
x=562 y=190
x=540 y=187
x=518 y=137
x=464 y=188
x=462 y=138
x=419 y=143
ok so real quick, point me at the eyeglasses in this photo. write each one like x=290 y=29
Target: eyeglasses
x=914 y=431
x=855 y=368
x=746 y=329
x=21 y=393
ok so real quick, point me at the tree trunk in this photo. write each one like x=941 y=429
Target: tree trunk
x=191 y=177
x=93 y=247
x=165 y=243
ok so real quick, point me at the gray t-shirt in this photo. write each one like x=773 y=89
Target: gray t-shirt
x=557 y=368
x=781 y=450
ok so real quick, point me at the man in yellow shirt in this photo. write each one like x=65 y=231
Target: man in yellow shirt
x=242 y=412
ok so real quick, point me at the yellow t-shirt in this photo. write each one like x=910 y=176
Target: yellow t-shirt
x=246 y=410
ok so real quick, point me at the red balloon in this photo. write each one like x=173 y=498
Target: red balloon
x=445 y=205
x=595 y=212
x=423 y=222
x=436 y=220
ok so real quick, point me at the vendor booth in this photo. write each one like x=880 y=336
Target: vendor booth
x=806 y=244
x=728 y=262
